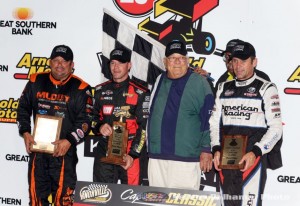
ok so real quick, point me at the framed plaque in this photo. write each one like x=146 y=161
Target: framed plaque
x=117 y=144
x=232 y=151
x=46 y=130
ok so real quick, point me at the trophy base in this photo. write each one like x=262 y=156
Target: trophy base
x=112 y=160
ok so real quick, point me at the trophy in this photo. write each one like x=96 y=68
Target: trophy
x=232 y=151
x=46 y=130
x=117 y=142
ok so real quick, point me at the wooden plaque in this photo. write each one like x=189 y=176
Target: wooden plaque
x=46 y=130
x=232 y=151
x=117 y=144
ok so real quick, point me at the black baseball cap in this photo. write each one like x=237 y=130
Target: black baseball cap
x=62 y=51
x=231 y=44
x=243 y=51
x=121 y=55
x=175 y=46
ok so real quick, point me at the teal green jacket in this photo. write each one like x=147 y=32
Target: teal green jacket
x=178 y=127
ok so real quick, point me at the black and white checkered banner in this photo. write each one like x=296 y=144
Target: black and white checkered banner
x=146 y=53
x=95 y=193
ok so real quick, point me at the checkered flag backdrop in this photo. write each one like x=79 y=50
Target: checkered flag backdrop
x=146 y=53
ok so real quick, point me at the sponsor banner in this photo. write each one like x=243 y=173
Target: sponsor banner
x=10 y=201
x=288 y=179
x=8 y=113
x=94 y=193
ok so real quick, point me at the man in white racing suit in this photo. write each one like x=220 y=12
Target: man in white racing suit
x=247 y=105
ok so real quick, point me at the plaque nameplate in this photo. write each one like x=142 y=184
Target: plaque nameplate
x=232 y=151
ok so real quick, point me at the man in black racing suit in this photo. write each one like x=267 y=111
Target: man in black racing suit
x=61 y=94
x=118 y=97
x=248 y=105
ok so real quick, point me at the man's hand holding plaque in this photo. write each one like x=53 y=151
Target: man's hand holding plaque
x=117 y=142
x=232 y=151
x=46 y=131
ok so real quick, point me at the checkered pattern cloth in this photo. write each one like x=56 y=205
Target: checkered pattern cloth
x=146 y=53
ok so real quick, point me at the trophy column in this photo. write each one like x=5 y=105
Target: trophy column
x=117 y=142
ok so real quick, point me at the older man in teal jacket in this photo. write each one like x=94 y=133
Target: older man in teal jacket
x=178 y=128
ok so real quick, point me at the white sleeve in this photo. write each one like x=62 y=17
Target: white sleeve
x=215 y=118
x=273 y=120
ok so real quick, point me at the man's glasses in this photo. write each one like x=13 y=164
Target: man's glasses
x=173 y=59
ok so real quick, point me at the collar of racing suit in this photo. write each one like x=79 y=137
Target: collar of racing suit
x=120 y=84
x=58 y=82
x=242 y=83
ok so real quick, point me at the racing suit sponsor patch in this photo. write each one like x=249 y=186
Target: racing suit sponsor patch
x=108 y=109
x=80 y=133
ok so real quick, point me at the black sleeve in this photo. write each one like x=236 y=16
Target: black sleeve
x=83 y=105
x=24 y=110
x=141 y=113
